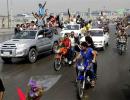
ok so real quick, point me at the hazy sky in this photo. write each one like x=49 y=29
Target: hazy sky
x=21 y=6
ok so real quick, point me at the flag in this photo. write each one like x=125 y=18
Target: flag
x=21 y=94
x=69 y=13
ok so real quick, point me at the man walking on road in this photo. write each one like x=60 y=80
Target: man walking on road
x=2 y=89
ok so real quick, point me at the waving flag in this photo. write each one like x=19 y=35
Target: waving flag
x=69 y=13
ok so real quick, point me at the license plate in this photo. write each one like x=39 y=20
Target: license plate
x=6 y=53
x=58 y=56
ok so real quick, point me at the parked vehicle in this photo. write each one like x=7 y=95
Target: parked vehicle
x=29 y=44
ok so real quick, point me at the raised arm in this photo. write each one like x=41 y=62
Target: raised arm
x=35 y=15
x=44 y=5
x=127 y=27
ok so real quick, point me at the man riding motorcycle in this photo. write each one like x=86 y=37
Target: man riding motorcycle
x=122 y=35
x=87 y=55
x=67 y=44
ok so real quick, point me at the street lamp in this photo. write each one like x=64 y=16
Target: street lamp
x=8 y=12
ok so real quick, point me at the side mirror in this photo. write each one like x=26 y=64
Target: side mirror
x=40 y=36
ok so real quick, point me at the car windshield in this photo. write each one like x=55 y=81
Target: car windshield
x=72 y=27
x=25 y=35
x=96 y=33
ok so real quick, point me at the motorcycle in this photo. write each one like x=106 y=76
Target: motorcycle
x=121 y=45
x=60 y=58
x=58 y=62
x=83 y=78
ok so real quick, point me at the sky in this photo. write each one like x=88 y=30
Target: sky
x=28 y=6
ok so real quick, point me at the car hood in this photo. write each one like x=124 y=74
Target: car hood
x=94 y=38
x=19 y=41
x=99 y=38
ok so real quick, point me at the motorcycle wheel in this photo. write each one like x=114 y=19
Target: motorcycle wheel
x=120 y=50
x=80 y=89
x=57 y=64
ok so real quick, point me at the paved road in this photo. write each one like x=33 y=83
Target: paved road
x=113 y=81
x=6 y=31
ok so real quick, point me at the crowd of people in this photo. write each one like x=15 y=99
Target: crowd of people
x=42 y=20
x=70 y=44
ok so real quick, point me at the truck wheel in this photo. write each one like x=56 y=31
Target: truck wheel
x=6 y=59
x=104 y=47
x=32 y=55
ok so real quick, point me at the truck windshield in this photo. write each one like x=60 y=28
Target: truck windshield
x=72 y=27
x=25 y=35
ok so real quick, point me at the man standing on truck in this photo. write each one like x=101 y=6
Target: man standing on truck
x=41 y=10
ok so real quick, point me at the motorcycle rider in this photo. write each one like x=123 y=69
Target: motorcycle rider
x=106 y=28
x=72 y=39
x=122 y=34
x=87 y=54
x=67 y=44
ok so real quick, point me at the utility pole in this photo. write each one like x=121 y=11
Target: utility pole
x=8 y=12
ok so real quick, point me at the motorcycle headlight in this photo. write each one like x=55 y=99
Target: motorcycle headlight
x=80 y=68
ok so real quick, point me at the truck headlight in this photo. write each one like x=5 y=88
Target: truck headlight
x=21 y=49
x=21 y=46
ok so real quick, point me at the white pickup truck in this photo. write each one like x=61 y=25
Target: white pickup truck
x=29 y=44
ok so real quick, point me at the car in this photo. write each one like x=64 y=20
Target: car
x=100 y=38
x=29 y=44
x=71 y=27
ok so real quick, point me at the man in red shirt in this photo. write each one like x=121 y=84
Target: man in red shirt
x=67 y=44
x=67 y=41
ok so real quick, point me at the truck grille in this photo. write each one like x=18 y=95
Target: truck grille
x=9 y=46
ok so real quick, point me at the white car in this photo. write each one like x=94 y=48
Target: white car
x=69 y=28
x=100 y=38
